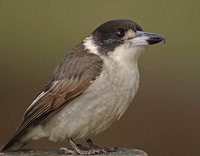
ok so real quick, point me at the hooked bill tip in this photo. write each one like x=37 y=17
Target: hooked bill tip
x=156 y=39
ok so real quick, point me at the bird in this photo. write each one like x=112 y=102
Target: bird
x=90 y=89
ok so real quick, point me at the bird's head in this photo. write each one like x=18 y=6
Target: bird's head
x=121 y=40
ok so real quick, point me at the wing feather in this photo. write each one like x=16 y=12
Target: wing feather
x=72 y=76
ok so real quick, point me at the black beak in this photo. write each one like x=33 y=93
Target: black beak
x=145 y=38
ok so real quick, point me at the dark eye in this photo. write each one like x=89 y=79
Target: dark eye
x=120 y=33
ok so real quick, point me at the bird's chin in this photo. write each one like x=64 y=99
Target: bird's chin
x=141 y=48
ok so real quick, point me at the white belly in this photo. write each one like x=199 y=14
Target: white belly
x=104 y=102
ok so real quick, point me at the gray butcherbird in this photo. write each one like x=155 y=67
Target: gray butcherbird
x=91 y=87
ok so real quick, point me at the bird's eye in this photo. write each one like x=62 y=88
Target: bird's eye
x=120 y=33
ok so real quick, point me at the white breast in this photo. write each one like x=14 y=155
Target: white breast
x=104 y=102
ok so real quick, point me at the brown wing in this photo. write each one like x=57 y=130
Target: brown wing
x=72 y=76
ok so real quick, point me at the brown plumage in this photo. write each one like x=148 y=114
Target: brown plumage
x=71 y=77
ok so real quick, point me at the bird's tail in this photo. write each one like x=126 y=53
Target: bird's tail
x=16 y=142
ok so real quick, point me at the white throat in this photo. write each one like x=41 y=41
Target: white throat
x=125 y=54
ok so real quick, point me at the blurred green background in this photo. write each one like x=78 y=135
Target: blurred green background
x=164 y=118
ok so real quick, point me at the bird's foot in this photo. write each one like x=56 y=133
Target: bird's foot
x=91 y=151
x=68 y=151
x=82 y=152
x=86 y=151
x=104 y=150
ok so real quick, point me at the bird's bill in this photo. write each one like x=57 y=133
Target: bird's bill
x=145 y=38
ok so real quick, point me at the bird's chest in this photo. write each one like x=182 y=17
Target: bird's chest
x=115 y=89
x=104 y=102
x=109 y=97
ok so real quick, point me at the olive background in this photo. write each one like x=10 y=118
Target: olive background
x=164 y=118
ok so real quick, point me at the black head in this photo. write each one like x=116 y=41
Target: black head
x=113 y=33
x=110 y=34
